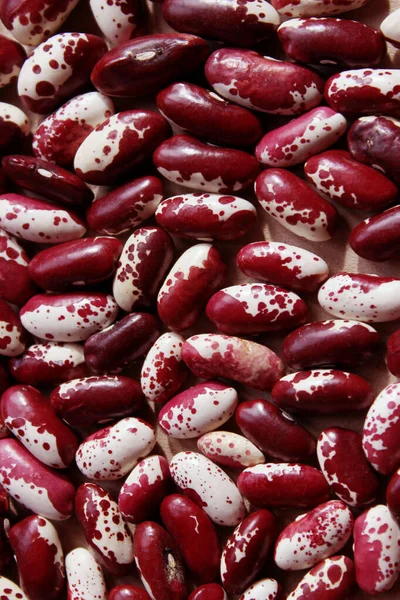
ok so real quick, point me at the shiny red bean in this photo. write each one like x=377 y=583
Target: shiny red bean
x=378 y=238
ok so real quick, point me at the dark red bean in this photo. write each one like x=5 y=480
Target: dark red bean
x=12 y=57
x=209 y=591
x=14 y=125
x=378 y=238
x=393 y=494
x=393 y=353
x=14 y=267
x=128 y=592
x=6 y=554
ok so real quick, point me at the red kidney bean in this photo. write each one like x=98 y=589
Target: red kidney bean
x=69 y=317
x=145 y=65
x=332 y=41
x=290 y=266
x=376 y=142
x=293 y=204
x=186 y=160
x=10 y=591
x=354 y=483
x=199 y=409
x=127 y=592
x=301 y=138
x=274 y=432
x=264 y=588
x=34 y=485
x=14 y=125
x=322 y=392
x=363 y=297
x=145 y=260
x=331 y=579
x=40 y=559
x=390 y=28
x=249 y=79
x=33 y=22
x=311 y=8
x=12 y=57
x=163 y=370
x=195 y=276
x=84 y=575
x=59 y=136
x=4 y=384
x=144 y=488
x=251 y=308
x=229 y=449
x=194 y=535
x=378 y=237
x=214 y=355
x=207 y=116
x=382 y=429
x=393 y=353
x=376 y=550
x=4 y=502
x=30 y=418
x=104 y=528
x=6 y=554
x=37 y=221
x=112 y=452
x=118 y=346
x=209 y=487
x=95 y=400
x=76 y=263
x=46 y=179
x=283 y=485
x=206 y=216
x=114 y=148
x=48 y=364
x=393 y=494
x=246 y=551
x=14 y=267
x=349 y=183
x=118 y=22
x=159 y=563
x=243 y=24
x=336 y=343
x=209 y=591
x=12 y=336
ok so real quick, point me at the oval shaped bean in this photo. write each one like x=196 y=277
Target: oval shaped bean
x=84 y=575
x=119 y=345
x=14 y=125
x=112 y=452
x=274 y=432
x=264 y=588
x=390 y=28
x=144 y=489
x=128 y=592
x=393 y=494
x=311 y=8
x=303 y=137
x=14 y=267
x=12 y=335
x=29 y=417
x=393 y=354
x=147 y=64
x=163 y=370
x=290 y=266
x=249 y=79
x=336 y=342
x=229 y=449
x=283 y=485
x=348 y=182
x=322 y=392
x=96 y=400
x=331 y=579
x=209 y=591
x=118 y=21
x=251 y=308
x=12 y=57
x=204 y=114
x=11 y=589
x=378 y=238
x=209 y=487
x=363 y=297
x=145 y=260
x=214 y=355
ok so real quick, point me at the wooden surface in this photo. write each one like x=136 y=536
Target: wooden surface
x=336 y=252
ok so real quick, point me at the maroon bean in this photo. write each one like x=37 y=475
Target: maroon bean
x=209 y=591
x=4 y=502
x=311 y=8
x=393 y=353
x=353 y=481
x=274 y=431
x=196 y=275
x=126 y=206
x=349 y=183
x=118 y=346
x=96 y=400
x=127 y=592
x=14 y=267
x=378 y=238
x=332 y=41
x=337 y=342
x=283 y=485
x=40 y=559
x=46 y=179
x=14 y=125
x=12 y=336
x=159 y=562
x=12 y=57
x=393 y=494
x=6 y=555
x=194 y=535
x=4 y=384
x=375 y=141
x=247 y=550
x=249 y=79
x=74 y=264
x=331 y=579
x=186 y=160
x=207 y=116
x=30 y=418
x=147 y=64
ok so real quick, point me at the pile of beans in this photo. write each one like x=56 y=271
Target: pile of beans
x=124 y=322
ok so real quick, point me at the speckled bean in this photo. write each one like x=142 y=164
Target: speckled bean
x=163 y=370
x=229 y=449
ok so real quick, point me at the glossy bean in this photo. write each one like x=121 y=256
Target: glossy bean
x=390 y=28
x=229 y=449
x=12 y=335
x=331 y=579
x=127 y=592
x=163 y=370
x=14 y=125
x=84 y=576
x=209 y=591
x=14 y=263
x=378 y=238
x=314 y=8
x=118 y=21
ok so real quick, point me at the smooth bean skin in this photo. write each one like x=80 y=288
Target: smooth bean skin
x=14 y=125
x=127 y=592
x=12 y=57
x=393 y=353
x=315 y=8
x=378 y=238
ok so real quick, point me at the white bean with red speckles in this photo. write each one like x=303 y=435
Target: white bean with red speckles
x=230 y=449
x=264 y=589
x=10 y=591
x=84 y=575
